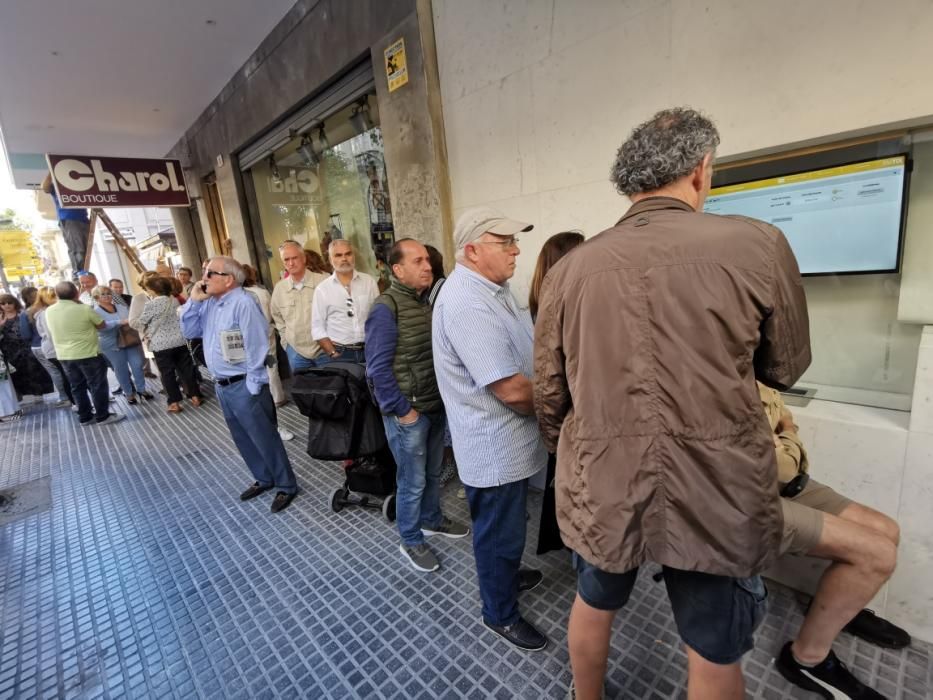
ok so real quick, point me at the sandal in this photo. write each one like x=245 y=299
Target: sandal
x=174 y=408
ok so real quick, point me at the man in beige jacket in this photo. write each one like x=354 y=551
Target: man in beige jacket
x=860 y=542
x=291 y=307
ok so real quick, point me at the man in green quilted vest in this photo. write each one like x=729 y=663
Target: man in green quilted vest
x=400 y=364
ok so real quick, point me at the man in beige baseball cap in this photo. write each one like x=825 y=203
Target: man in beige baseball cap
x=482 y=343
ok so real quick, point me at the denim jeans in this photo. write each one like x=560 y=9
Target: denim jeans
x=125 y=361
x=419 y=452
x=299 y=362
x=498 y=515
x=346 y=355
x=57 y=373
x=89 y=375
x=254 y=429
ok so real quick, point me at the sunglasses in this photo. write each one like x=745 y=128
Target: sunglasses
x=212 y=273
x=350 y=307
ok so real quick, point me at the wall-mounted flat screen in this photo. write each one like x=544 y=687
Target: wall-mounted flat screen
x=846 y=219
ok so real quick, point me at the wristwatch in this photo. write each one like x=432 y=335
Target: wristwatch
x=334 y=353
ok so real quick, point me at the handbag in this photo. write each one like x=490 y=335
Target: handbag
x=128 y=337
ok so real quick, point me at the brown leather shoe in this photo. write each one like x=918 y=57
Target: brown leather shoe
x=174 y=408
x=196 y=401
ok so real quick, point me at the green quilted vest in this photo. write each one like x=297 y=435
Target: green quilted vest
x=414 y=362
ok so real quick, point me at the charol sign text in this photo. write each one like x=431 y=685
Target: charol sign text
x=91 y=181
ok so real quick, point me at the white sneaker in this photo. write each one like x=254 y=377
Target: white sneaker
x=61 y=403
x=286 y=435
x=112 y=418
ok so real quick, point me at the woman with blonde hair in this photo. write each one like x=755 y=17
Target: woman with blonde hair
x=45 y=353
x=121 y=348
x=137 y=304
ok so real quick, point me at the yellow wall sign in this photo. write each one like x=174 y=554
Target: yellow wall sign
x=396 y=65
x=17 y=249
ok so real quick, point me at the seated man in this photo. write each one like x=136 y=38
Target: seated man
x=860 y=542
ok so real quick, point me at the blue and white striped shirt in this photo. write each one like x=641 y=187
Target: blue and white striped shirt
x=480 y=335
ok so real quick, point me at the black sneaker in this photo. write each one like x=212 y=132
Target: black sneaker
x=877 y=631
x=830 y=678
x=521 y=635
x=529 y=579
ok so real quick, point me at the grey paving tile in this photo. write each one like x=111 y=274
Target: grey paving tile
x=149 y=578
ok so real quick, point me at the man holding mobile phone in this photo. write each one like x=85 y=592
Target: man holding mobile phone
x=236 y=342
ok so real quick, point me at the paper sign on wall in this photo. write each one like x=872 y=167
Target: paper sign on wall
x=396 y=65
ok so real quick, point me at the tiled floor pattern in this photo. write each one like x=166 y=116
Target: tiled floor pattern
x=148 y=578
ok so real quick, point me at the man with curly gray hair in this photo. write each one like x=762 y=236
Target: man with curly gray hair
x=664 y=455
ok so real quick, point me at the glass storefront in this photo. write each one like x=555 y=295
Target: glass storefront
x=326 y=184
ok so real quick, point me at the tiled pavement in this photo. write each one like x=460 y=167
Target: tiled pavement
x=148 y=578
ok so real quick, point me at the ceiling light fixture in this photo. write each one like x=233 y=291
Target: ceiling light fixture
x=360 y=119
x=322 y=139
x=306 y=151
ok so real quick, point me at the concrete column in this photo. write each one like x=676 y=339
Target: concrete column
x=413 y=136
x=185 y=235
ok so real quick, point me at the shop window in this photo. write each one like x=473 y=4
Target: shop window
x=326 y=184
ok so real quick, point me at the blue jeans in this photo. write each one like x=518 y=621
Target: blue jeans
x=419 y=451
x=254 y=430
x=299 y=362
x=498 y=515
x=124 y=361
x=346 y=355
x=89 y=375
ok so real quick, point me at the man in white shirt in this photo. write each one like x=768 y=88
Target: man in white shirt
x=341 y=306
x=290 y=306
x=87 y=281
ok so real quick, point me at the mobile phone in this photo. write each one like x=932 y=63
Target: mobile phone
x=203 y=286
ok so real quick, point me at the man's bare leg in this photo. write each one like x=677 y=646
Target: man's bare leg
x=588 y=636
x=872 y=519
x=863 y=559
x=709 y=681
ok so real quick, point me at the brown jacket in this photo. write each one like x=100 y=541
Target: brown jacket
x=648 y=341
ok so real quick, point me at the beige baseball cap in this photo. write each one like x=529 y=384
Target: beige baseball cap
x=474 y=222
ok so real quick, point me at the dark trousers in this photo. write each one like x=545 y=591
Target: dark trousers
x=89 y=376
x=254 y=430
x=177 y=360
x=498 y=515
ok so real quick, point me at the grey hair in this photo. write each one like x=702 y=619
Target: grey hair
x=66 y=290
x=338 y=241
x=663 y=149
x=231 y=267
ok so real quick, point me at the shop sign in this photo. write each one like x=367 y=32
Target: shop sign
x=396 y=65
x=296 y=188
x=92 y=181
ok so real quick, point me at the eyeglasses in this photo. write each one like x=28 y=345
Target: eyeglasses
x=105 y=294
x=506 y=243
x=350 y=307
x=211 y=273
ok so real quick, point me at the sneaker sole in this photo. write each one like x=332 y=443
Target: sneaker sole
x=808 y=682
x=531 y=588
x=517 y=646
x=433 y=533
x=411 y=561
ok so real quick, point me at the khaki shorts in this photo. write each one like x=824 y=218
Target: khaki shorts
x=803 y=516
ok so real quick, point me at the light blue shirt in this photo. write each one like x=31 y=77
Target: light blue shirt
x=235 y=310
x=480 y=335
x=109 y=334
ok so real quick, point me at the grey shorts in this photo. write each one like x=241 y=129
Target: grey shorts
x=803 y=516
